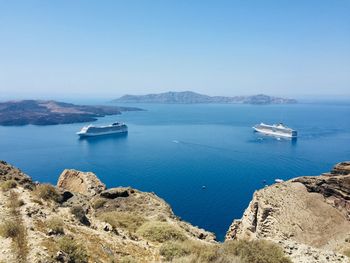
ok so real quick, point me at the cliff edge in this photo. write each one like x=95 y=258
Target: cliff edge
x=308 y=216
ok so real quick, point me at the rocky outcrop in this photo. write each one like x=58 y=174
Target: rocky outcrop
x=85 y=183
x=8 y=172
x=342 y=168
x=309 y=212
x=333 y=186
x=82 y=217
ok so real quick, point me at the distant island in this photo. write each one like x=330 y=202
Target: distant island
x=49 y=112
x=190 y=97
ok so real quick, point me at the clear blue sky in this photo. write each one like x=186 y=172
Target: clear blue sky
x=109 y=48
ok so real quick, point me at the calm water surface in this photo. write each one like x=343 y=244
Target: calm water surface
x=174 y=150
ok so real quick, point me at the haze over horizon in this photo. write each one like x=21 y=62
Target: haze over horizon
x=111 y=48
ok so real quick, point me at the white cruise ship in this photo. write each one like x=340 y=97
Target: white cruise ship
x=92 y=130
x=276 y=130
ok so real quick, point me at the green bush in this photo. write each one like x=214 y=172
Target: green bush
x=128 y=221
x=47 y=192
x=76 y=252
x=7 y=185
x=160 y=232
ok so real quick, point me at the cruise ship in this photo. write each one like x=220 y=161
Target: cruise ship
x=279 y=130
x=113 y=128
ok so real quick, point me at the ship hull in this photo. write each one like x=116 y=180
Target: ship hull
x=274 y=133
x=87 y=134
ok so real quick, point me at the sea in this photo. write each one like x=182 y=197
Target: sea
x=204 y=159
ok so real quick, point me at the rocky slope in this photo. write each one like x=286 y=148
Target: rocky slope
x=53 y=224
x=190 y=97
x=308 y=216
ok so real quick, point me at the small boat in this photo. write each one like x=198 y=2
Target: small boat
x=279 y=180
x=113 y=128
x=276 y=130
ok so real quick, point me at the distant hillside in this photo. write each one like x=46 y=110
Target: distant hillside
x=189 y=97
x=48 y=112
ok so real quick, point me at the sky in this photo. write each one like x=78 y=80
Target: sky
x=104 y=48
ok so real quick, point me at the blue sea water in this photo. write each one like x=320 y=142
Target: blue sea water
x=174 y=150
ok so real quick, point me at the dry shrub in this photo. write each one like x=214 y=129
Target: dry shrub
x=161 y=232
x=127 y=259
x=191 y=251
x=56 y=225
x=14 y=202
x=98 y=203
x=128 y=221
x=194 y=251
x=7 y=185
x=174 y=249
x=80 y=214
x=10 y=229
x=47 y=192
x=258 y=251
x=75 y=251
x=14 y=229
x=346 y=252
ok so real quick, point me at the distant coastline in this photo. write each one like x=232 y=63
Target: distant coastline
x=49 y=112
x=190 y=97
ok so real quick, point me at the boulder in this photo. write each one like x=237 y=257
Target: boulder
x=85 y=183
x=342 y=168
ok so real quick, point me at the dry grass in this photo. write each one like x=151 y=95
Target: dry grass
x=15 y=229
x=47 y=192
x=56 y=225
x=171 y=250
x=37 y=201
x=191 y=251
x=98 y=203
x=75 y=251
x=9 y=229
x=14 y=203
x=128 y=221
x=7 y=185
x=127 y=259
x=161 y=232
x=258 y=251
x=346 y=252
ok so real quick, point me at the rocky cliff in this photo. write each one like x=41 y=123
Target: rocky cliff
x=308 y=216
x=82 y=221
x=79 y=221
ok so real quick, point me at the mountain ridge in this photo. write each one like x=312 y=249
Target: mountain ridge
x=190 y=97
